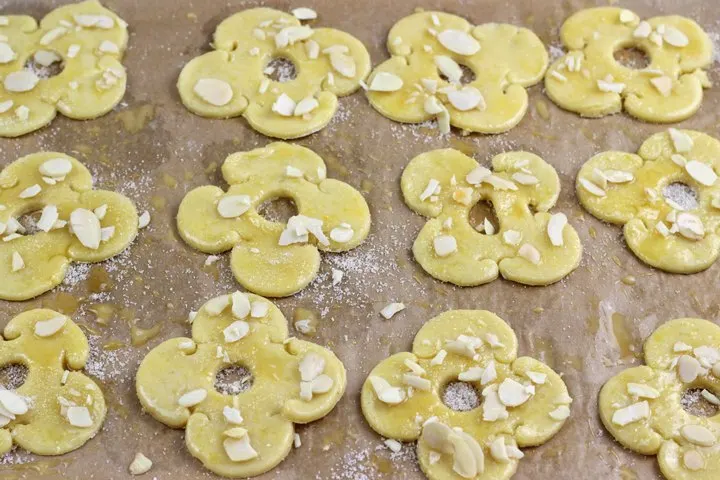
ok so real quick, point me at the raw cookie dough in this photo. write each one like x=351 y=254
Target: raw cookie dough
x=589 y=80
x=234 y=79
x=85 y=40
x=525 y=402
x=57 y=409
x=249 y=433
x=641 y=406
x=423 y=78
x=272 y=258
x=77 y=223
x=664 y=228
x=534 y=249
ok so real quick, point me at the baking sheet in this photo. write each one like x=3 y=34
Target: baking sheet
x=589 y=326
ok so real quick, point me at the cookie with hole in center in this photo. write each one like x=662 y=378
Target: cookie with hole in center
x=248 y=433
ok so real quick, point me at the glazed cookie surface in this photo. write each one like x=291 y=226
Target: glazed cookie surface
x=57 y=409
x=589 y=80
x=234 y=79
x=272 y=258
x=525 y=403
x=667 y=198
x=77 y=223
x=85 y=42
x=531 y=248
x=248 y=433
x=424 y=77
x=641 y=406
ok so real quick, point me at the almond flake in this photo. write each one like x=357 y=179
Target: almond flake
x=6 y=105
x=449 y=68
x=592 y=188
x=7 y=54
x=284 y=105
x=489 y=374
x=17 y=262
x=79 y=417
x=439 y=358
x=487 y=227
x=343 y=64
x=391 y=309
x=693 y=460
x=690 y=226
x=232 y=415
x=525 y=178
x=106 y=46
x=52 y=35
x=473 y=374
x=537 y=378
x=688 y=368
x=663 y=85
x=192 y=398
x=681 y=347
x=430 y=189
x=393 y=445
x=618 y=176
x=642 y=391
x=530 y=253
x=698 y=435
x=443 y=121
x=140 y=464
x=214 y=91
x=342 y=233
x=385 y=392
x=337 y=48
x=23 y=112
x=337 y=276
x=144 y=220
x=414 y=367
x=498 y=450
x=643 y=30
x=31 y=191
x=610 y=87
x=305 y=106
x=512 y=237
x=458 y=42
x=477 y=175
x=304 y=13
x=429 y=84
x=678 y=160
x=493 y=408
x=217 y=305
x=558 y=76
x=710 y=397
x=463 y=195
x=631 y=413
x=555 y=227
x=232 y=206
x=681 y=140
x=675 y=37
x=56 y=168
x=626 y=16
x=662 y=229
x=513 y=393
x=322 y=384
x=290 y=35
x=417 y=382
x=560 y=413
x=99 y=21
x=385 y=82
x=12 y=403
x=86 y=227
x=239 y=449
x=444 y=245
x=466 y=99
x=701 y=172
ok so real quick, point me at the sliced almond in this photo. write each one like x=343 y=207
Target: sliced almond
x=662 y=229
x=631 y=413
x=493 y=408
x=343 y=64
x=525 y=178
x=498 y=450
x=592 y=188
x=391 y=309
x=478 y=175
x=698 y=435
x=232 y=206
x=236 y=331
x=466 y=98
x=291 y=35
x=232 y=415
x=342 y=233
x=284 y=106
x=663 y=85
x=7 y=54
x=94 y=21
x=675 y=37
x=610 y=87
x=140 y=464
x=385 y=392
x=192 y=398
x=489 y=374
x=444 y=245
x=304 y=13
x=701 y=172
x=48 y=328
x=449 y=68
x=693 y=460
x=144 y=220
x=626 y=16
x=530 y=253
x=322 y=384
x=259 y=309
x=17 y=262
x=214 y=91
x=458 y=42
x=643 y=30
x=537 y=378
x=417 y=382
x=30 y=192
x=682 y=347
x=560 y=413
x=618 y=176
x=240 y=305
x=312 y=48
x=513 y=393
x=239 y=449
x=473 y=374
x=311 y=366
x=13 y=403
x=79 y=416
x=556 y=226
x=512 y=237
x=690 y=226
x=86 y=227
x=52 y=35
x=385 y=82
x=439 y=358
x=432 y=105
x=681 y=140
x=688 y=368
x=710 y=397
x=305 y=106
x=640 y=390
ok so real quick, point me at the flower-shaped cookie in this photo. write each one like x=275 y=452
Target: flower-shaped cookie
x=424 y=78
x=234 y=79
x=590 y=81
x=530 y=248
x=271 y=258
x=641 y=406
x=85 y=41
x=665 y=229
x=251 y=432
x=77 y=223
x=525 y=402
x=58 y=408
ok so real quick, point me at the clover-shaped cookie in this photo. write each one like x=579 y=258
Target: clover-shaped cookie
x=526 y=247
x=424 y=77
x=234 y=79
x=525 y=402
x=641 y=406
x=251 y=432
x=77 y=223
x=664 y=227
x=590 y=81
x=272 y=258
x=85 y=41
x=57 y=409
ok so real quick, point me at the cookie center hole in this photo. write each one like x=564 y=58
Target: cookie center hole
x=281 y=70
x=460 y=396
x=681 y=194
x=233 y=380
x=13 y=375
x=632 y=57
x=468 y=76
x=481 y=211
x=45 y=63
x=695 y=403
x=278 y=209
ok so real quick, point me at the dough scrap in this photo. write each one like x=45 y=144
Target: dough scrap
x=589 y=80
x=267 y=410
x=88 y=39
x=524 y=425
x=261 y=261
x=509 y=59
x=230 y=81
x=663 y=428
x=521 y=236
x=54 y=384
x=640 y=205
x=47 y=254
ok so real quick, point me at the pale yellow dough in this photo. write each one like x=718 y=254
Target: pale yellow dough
x=92 y=81
x=528 y=424
x=269 y=408
x=45 y=429
x=244 y=45
x=509 y=60
x=661 y=433
x=639 y=205
x=480 y=257
x=593 y=35
x=258 y=262
x=46 y=255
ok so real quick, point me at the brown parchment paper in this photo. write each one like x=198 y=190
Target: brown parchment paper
x=589 y=326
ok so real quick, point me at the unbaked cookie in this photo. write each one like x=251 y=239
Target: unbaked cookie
x=667 y=198
x=531 y=248
x=248 y=433
x=74 y=223
x=590 y=81
x=525 y=403
x=70 y=63
x=57 y=409
x=272 y=258
x=424 y=78
x=641 y=406
x=234 y=79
